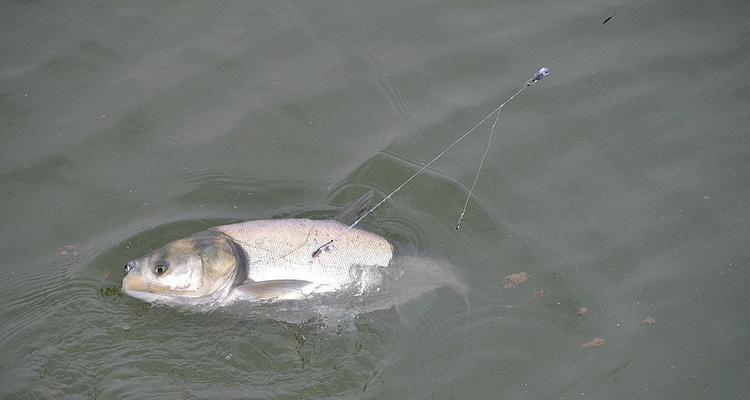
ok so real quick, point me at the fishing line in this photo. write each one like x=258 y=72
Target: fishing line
x=479 y=170
x=536 y=78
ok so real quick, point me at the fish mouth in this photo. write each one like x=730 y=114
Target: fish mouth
x=143 y=295
x=133 y=282
x=134 y=286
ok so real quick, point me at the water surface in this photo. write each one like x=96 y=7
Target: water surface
x=619 y=184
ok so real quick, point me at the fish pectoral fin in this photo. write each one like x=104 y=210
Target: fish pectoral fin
x=275 y=289
x=351 y=213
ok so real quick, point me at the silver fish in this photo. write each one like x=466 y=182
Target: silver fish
x=261 y=261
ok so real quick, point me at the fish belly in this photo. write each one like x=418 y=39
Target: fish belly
x=283 y=250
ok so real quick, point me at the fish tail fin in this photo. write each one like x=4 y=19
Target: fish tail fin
x=423 y=275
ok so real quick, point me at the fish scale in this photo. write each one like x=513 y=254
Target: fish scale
x=282 y=249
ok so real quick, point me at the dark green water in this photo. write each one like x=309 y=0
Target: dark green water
x=619 y=184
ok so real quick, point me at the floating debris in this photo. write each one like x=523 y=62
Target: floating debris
x=608 y=18
x=581 y=313
x=539 y=294
x=68 y=250
x=111 y=291
x=597 y=342
x=126 y=328
x=514 y=280
x=228 y=357
x=648 y=321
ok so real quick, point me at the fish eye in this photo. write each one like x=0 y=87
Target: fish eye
x=160 y=267
x=128 y=267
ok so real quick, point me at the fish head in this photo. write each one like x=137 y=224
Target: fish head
x=195 y=270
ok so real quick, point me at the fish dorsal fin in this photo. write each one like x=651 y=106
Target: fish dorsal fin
x=273 y=289
x=352 y=212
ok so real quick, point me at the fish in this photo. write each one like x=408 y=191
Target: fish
x=263 y=261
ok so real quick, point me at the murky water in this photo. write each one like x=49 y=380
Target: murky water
x=619 y=184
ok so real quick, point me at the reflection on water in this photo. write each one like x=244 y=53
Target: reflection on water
x=617 y=184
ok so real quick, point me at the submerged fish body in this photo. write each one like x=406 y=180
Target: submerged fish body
x=259 y=261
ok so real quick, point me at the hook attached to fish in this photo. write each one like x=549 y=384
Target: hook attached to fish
x=538 y=76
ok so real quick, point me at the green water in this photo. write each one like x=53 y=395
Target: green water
x=619 y=183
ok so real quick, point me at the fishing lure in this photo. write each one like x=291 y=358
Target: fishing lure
x=544 y=71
